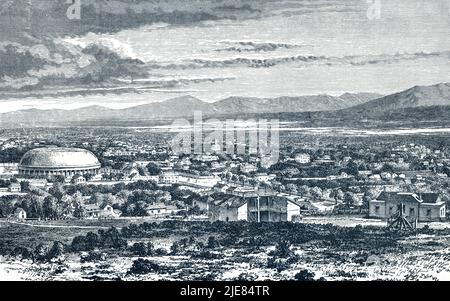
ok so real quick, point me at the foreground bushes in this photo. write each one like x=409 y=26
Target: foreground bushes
x=143 y=266
x=41 y=253
x=110 y=238
x=143 y=249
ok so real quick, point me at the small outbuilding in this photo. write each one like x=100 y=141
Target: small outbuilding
x=20 y=214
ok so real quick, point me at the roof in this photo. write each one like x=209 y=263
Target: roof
x=156 y=206
x=431 y=198
x=231 y=201
x=399 y=197
x=18 y=210
x=426 y=198
x=59 y=157
x=92 y=207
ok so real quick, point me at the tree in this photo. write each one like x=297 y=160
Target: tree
x=59 y=179
x=153 y=169
x=25 y=186
x=352 y=168
x=212 y=242
x=291 y=188
x=40 y=252
x=57 y=250
x=304 y=190
x=49 y=208
x=350 y=200
x=66 y=206
x=35 y=208
x=387 y=168
x=140 y=249
x=111 y=238
x=337 y=195
x=316 y=193
x=57 y=191
x=79 y=211
x=91 y=241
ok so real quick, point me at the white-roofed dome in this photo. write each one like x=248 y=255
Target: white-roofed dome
x=56 y=160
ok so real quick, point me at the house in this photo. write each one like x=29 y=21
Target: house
x=198 y=180
x=424 y=207
x=96 y=211
x=302 y=158
x=248 y=168
x=264 y=177
x=161 y=210
x=36 y=183
x=157 y=209
x=169 y=178
x=14 y=187
x=253 y=207
x=221 y=187
x=229 y=209
x=325 y=160
x=188 y=179
x=130 y=171
x=202 y=203
x=20 y=214
x=78 y=179
x=364 y=173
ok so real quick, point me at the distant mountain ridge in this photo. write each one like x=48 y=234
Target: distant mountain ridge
x=185 y=106
x=415 y=97
x=416 y=102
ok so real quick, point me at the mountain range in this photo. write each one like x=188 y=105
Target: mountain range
x=186 y=106
x=415 y=97
x=362 y=105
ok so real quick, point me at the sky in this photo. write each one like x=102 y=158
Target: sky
x=266 y=49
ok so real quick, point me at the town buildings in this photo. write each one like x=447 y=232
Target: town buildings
x=253 y=206
x=424 y=207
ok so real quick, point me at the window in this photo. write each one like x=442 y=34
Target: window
x=377 y=209
x=411 y=211
x=428 y=212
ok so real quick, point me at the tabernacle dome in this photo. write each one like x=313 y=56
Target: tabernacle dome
x=58 y=161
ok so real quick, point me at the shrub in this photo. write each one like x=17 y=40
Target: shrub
x=111 y=238
x=143 y=266
x=304 y=275
x=247 y=277
x=212 y=242
x=140 y=249
x=57 y=250
x=150 y=248
x=161 y=252
x=79 y=244
x=40 y=252
x=23 y=253
x=282 y=250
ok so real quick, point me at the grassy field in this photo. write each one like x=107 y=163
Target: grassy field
x=243 y=251
x=29 y=234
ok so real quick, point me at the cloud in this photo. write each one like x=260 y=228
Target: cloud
x=249 y=46
x=60 y=64
x=299 y=59
x=49 y=18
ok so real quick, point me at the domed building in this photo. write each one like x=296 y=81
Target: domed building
x=58 y=161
